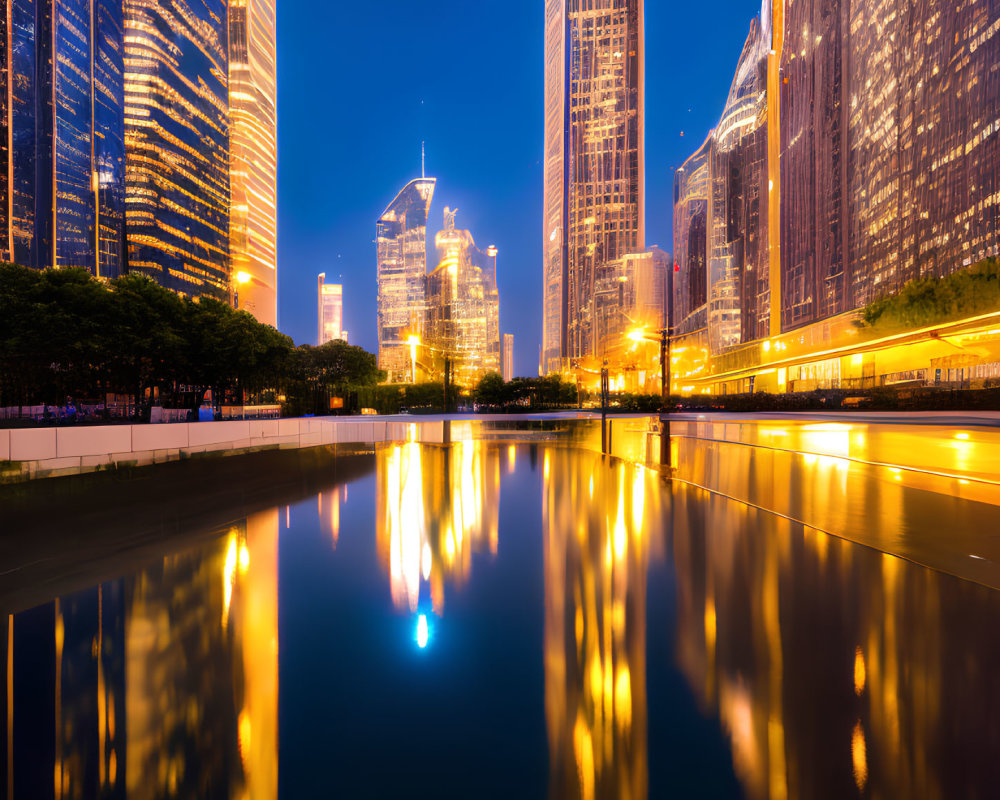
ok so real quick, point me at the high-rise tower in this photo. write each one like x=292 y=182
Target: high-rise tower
x=254 y=156
x=177 y=144
x=62 y=185
x=594 y=165
x=401 y=240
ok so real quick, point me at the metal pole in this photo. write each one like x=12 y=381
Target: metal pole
x=604 y=408
x=664 y=386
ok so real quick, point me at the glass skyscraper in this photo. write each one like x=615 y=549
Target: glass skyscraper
x=254 y=154
x=63 y=135
x=401 y=252
x=593 y=184
x=872 y=129
x=177 y=142
x=463 y=306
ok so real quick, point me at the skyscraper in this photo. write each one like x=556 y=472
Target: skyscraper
x=594 y=164
x=254 y=156
x=331 y=311
x=177 y=144
x=401 y=252
x=62 y=130
x=508 y=357
x=870 y=126
x=462 y=304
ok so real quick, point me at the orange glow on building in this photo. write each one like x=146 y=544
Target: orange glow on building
x=253 y=226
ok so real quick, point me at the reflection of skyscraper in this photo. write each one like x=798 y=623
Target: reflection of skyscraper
x=254 y=153
x=824 y=693
x=177 y=140
x=401 y=241
x=435 y=506
x=62 y=154
x=331 y=311
x=594 y=202
x=595 y=624
x=463 y=305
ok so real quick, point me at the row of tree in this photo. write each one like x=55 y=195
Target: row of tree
x=64 y=334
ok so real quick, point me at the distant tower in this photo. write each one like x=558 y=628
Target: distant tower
x=331 y=311
x=593 y=164
x=401 y=254
x=508 y=357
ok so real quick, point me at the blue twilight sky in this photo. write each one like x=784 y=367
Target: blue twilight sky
x=361 y=84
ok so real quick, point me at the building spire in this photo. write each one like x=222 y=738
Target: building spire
x=423 y=160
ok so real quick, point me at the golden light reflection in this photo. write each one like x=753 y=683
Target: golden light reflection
x=436 y=506
x=596 y=556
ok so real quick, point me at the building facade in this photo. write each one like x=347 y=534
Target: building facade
x=871 y=129
x=62 y=130
x=401 y=253
x=331 y=311
x=463 y=307
x=594 y=165
x=177 y=144
x=691 y=242
x=253 y=98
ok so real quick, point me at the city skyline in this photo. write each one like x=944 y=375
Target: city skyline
x=493 y=171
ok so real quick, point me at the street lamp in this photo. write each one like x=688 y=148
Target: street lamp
x=662 y=335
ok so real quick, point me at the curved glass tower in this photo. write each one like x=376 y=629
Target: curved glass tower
x=401 y=251
x=177 y=139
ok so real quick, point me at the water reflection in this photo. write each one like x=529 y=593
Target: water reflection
x=833 y=668
x=598 y=523
x=163 y=684
x=624 y=631
x=436 y=505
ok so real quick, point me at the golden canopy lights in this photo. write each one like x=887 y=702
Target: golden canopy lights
x=593 y=170
x=850 y=158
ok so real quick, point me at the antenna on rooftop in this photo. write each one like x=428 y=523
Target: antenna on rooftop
x=423 y=160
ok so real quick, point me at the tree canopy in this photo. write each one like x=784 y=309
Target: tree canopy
x=65 y=334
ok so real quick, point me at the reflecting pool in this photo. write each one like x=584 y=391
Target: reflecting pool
x=489 y=619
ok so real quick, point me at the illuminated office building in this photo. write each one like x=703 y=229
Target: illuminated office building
x=177 y=144
x=508 y=357
x=463 y=306
x=331 y=311
x=593 y=167
x=62 y=130
x=254 y=156
x=737 y=232
x=871 y=128
x=401 y=251
x=691 y=242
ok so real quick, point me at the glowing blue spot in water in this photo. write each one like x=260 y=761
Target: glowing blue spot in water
x=422 y=632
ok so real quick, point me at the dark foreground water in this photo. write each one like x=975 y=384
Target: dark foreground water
x=486 y=620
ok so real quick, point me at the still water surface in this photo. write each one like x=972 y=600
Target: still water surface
x=493 y=620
